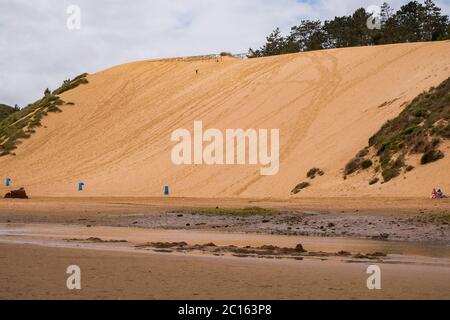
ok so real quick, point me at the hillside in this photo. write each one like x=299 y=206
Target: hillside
x=327 y=104
x=5 y=111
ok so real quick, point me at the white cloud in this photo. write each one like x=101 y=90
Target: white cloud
x=38 y=51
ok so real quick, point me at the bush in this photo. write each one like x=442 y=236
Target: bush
x=390 y=173
x=300 y=187
x=364 y=152
x=431 y=156
x=373 y=181
x=352 y=166
x=313 y=172
x=409 y=168
x=366 y=164
x=53 y=108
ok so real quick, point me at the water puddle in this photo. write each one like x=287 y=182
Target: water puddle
x=135 y=236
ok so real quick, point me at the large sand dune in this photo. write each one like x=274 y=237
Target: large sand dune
x=327 y=104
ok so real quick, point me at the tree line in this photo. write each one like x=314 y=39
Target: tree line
x=413 y=22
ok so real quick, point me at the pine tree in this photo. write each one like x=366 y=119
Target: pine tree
x=410 y=19
x=309 y=35
x=413 y=22
x=386 y=12
x=274 y=44
x=435 y=24
x=361 y=34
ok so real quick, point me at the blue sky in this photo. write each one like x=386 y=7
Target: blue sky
x=39 y=51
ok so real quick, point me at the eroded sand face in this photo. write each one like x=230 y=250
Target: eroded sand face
x=116 y=138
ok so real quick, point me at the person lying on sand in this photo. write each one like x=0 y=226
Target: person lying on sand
x=434 y=194
x=440 y=194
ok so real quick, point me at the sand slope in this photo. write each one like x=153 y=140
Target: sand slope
x=116 y=138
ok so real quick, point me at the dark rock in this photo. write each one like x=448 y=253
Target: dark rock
x=162 y=251
x=299 y=248
x=378 y=254
x=17 y=194
x=210 y=245
x=268 y=247
x=94 y=239
x=382 y=236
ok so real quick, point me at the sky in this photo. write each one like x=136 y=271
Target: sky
x=38 y=50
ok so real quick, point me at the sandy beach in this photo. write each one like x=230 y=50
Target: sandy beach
x=95 y=180
x=139 y=249
x=145 y=156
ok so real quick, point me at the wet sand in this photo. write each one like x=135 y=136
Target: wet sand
x=35 y=272
x=120 y=263
x=125 y=249
x=404 y=219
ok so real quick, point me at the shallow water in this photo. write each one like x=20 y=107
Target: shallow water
x=55 y=232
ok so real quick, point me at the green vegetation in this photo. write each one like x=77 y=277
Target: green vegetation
x=21 y=123
x=239 y=212
x=311 y=174
x=300 y=187
x=353 y=165
x=366 y=164
x=437 y=218
x=413 y=22
x=6 y=110
x=419 y=129
x=314 y=172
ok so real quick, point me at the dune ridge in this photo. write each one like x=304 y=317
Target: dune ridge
x=326 y=104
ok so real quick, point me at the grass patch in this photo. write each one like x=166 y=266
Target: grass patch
x=438 y=218
x=238 y=212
